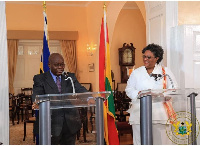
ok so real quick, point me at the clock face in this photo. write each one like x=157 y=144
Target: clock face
x=127 y=56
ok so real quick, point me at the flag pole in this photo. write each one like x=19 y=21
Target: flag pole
x=111 y=134
x=45 y=13
x=44 y=6
x=105 y=28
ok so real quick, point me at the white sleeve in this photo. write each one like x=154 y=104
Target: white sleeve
x=131 y=90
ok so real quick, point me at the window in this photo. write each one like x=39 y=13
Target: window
x=28 y=61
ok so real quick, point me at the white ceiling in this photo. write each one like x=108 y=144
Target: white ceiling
x=128 y=5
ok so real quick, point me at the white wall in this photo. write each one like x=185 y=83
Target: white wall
x=4 y=110
x=161 y=16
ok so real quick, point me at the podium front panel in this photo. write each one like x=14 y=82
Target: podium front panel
x=172 y=120
x=71 y=100
x=71 y=114
x=78 y=120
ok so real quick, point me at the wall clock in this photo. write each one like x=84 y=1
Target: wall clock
x=126 y=60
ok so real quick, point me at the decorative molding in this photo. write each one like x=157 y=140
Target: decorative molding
x=33 y=50
x=196 y=83
x=38 y=35
x=160 y=15
x=37 y=42
x=171 y=21
x=54 y=3
x=54 y=49
x=196 y=35
x=20 y=50
x=155 y=6
x=157 y=22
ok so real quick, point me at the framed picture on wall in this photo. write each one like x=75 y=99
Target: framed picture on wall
x=91 y=67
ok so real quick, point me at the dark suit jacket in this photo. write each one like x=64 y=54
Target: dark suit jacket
x=44 y=84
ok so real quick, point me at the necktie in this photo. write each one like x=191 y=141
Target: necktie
x=58 y=84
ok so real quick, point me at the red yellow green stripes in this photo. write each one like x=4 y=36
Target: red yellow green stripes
x=110 y=130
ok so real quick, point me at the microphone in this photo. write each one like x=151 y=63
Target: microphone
x=67 y=77
x=159 y=77
x=65 y=74
x=156 y=76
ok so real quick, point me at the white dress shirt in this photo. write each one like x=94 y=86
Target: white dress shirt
x=140 y=80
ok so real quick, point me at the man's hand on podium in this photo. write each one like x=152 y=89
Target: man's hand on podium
x=35 y=106
x=91 y=100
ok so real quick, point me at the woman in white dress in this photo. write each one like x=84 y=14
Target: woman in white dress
x=141 y=79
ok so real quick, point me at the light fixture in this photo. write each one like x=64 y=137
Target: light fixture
x=91 y=49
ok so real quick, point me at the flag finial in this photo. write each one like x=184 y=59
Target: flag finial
x=44 y=6
x=104 y=6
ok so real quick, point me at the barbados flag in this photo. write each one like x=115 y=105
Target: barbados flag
x=105 y=84
x=45 y=52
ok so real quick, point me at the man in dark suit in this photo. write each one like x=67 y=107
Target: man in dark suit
x=65 y=122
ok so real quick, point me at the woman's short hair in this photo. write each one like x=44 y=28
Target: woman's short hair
x=156 y=50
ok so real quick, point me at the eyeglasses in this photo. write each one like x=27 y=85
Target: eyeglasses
x=148 y=57
x=58 y=64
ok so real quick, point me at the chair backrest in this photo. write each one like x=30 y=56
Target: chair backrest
x=88 y=86
x=27 y=91
x=121 y=86
x=12 y=100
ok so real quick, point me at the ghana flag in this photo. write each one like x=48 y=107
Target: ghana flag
x=105 y=84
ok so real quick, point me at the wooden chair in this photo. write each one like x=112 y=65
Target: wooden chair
x=121 y=87
x=124 y=128
x=26 y=103
x=28 y=119
x=27 y=98
x=27 y=91
x=19 y=106
x=12 y=107
x=121 y=106
x=84 y=121
x=84 y=115
x=88 y=86
x=22 y=101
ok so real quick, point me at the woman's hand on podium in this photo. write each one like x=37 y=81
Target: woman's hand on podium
x=155 y=96
x=167 y=98
x=143 y=94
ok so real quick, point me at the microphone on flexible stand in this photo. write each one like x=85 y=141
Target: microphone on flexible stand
x=66 y=78
x=159 y=77
x=156 y=76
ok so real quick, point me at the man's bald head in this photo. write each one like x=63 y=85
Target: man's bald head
x=53 y=56
x=56 y=64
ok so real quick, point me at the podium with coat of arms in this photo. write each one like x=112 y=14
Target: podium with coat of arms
x=182 y=126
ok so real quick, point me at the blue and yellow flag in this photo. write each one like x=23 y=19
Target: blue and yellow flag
x=45 y=52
